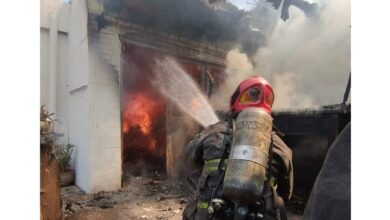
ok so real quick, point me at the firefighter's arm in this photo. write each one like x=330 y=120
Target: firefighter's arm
x=210 y=138
x=193 y=150
x=282 y=167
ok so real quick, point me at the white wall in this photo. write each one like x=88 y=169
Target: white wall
x=62 y=89
x=79 y=100
x=87 y=102
x=44 y=66
x=94 y=108
x=105 y=124
x=61 y=69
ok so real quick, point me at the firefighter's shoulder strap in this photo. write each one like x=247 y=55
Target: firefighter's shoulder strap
x=194 y=149
x=279 y=204
x=282 y=158
x=277 y=201
x=227 y=141
x=277 y=131
x=222 y=163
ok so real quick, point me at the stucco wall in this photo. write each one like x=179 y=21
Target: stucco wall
x=44 y=66
x=62 y=89
x=105 y=121
x=79 y=107
x=94 y=108
x=87 y=103
x=61 y=70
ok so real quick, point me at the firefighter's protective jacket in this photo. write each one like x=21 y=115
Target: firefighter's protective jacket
x=206 y=150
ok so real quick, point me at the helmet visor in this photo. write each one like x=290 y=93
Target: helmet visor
x=251 y=96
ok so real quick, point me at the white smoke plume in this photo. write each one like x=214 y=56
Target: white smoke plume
x=307 y=60
x=238 y=68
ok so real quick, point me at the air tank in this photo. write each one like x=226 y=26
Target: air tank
x=248 y=159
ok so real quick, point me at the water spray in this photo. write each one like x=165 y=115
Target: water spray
x=174 y=83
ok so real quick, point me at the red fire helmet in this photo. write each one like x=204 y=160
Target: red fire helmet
x=252 y=92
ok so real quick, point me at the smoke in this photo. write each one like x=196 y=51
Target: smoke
x=238 y=68
x=307 y=60
x=288 y=95
x=214 y=4
x=220 y=23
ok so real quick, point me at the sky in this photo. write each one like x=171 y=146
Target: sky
x=242 y=4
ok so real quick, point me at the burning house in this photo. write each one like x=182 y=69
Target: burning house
x=99 y=77
x=98 y=61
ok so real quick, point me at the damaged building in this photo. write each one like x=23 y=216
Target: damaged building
x=96 y=66
x=96 y=59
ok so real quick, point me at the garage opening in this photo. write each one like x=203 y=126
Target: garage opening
x=154 y=130
x=143 y=114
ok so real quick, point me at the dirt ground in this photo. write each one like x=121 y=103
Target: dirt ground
x=141 y=198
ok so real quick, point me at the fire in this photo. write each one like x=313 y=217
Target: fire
x=140 y=111
x=137 y=113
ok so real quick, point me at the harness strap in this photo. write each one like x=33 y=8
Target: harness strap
x=277 y=200
x=279 y=204
x=270 y=153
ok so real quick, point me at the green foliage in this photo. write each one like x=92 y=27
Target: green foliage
x=63 y=154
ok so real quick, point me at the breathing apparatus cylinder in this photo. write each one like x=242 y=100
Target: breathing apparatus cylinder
x=246 y=168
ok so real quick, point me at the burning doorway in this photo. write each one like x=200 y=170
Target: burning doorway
x=143 y=114
x=154 y=129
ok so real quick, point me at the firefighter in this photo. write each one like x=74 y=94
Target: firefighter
x=209 y=150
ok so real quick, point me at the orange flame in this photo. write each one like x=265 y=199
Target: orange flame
x=137 y=113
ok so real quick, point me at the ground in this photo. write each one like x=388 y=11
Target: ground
x=141 y=198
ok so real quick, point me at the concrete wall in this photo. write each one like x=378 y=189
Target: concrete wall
x=60 y=70
x=94 y=108
x=87 y=101
x=105 y=124
x=44 y=66
x=79 y=133
x=62 y=92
